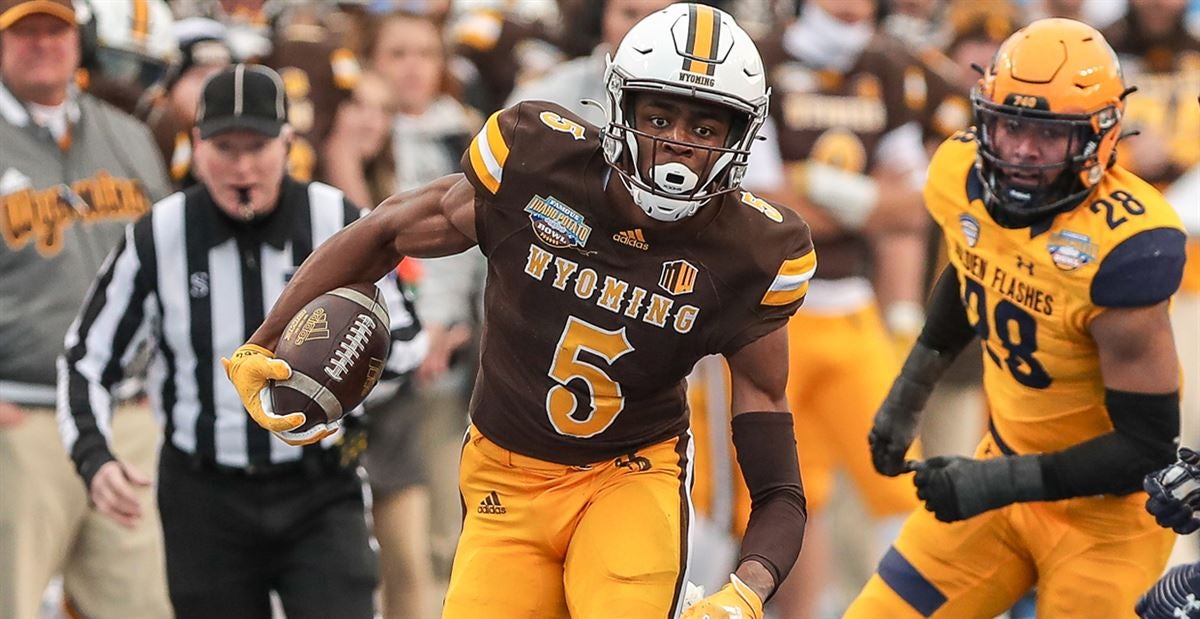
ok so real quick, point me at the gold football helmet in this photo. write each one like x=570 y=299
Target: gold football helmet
x=1048 y=118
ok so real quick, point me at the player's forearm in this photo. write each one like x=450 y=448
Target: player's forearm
x=415 y=223
x=900 y=268
x=362 y=252
x=766 y=453
x=1143 y=441
x=946 y=330
x=757 y=577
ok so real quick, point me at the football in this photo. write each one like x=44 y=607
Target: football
x=336 y=346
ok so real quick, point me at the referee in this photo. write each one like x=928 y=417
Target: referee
x=243 y=512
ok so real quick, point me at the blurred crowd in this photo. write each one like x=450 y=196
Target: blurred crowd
x=385 y=95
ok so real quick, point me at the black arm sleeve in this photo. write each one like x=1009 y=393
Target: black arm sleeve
x=946 y=328
x=1143 y=440
x=766 y=453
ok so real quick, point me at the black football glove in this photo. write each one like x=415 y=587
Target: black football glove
x=896 y=421
x=956 y=488
x=1175 y=596
x=892 y=434
x=1175 y=493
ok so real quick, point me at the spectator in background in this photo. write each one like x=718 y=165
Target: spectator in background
x=977 y=31
x=1070 y=9
x=497 y=47
x=918 y=23
x=359 y=151
x=401 y=129
x=1097 y=13
x=919 y=31
x=170 y=107
x=1162 y=59
x=135 y=46
x=317 y=70
x=318 y=74
x=249 y=22
x=73 y=172
x=569 y=83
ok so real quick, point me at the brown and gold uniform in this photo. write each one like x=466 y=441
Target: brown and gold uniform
x=575 y=474
x=504 y=51
x=842 y=362
x=317 y=77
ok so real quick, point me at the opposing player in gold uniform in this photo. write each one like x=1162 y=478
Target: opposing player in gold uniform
x=617 y=258
x=1063 y=263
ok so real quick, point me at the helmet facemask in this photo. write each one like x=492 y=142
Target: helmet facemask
x=699 y=54
x=671 y=193
x=1056 y=85
x=1020 y=194
x=131 y=68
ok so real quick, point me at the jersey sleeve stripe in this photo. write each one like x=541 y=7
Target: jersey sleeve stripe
x=489 y=153
x=496 y=141
x=785 y=297
x=481 y=169
x=791 y=283
x=803 y=265
x=784 y=283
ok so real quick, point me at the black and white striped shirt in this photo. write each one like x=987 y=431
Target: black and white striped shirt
x=194 y=286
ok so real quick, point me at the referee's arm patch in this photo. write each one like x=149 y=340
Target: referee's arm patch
x=1145 y=269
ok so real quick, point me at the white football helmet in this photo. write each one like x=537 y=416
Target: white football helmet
x=136 y=41
x=695 y=51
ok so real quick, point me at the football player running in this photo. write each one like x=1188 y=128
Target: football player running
x=1063 y=264
x=617 y=257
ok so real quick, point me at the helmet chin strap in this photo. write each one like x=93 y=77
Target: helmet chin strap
x=663 y=209
x=659 y=207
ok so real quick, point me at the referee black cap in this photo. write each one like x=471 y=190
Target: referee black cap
x=243 y=96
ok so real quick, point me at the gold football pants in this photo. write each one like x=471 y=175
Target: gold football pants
x=553 y=541
x=840 y=370
x=1088 y=557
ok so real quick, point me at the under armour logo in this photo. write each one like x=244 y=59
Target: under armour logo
x=198 y=285
x=1028 y=266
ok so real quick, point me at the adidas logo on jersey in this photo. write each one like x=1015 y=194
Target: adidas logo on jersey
x=632 y=238
x=491 y=504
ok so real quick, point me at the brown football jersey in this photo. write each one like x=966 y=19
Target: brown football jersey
x=317 y=77
x=504 y=49
x=837 y=119
x=591 y=323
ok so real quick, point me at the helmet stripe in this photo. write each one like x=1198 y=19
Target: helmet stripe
x=141 y=20
x=716 y=43
x=688 y=49
x=702 y=26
